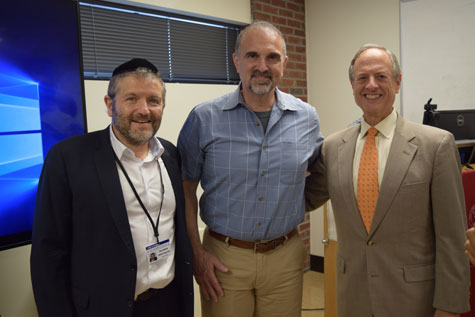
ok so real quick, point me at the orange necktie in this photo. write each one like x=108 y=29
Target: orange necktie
x=367 y=191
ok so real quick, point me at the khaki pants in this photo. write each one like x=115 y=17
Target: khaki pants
x=257 y=284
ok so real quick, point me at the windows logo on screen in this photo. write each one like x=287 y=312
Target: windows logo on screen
x=21 y=157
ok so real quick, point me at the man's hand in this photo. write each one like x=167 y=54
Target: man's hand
x=441 y=313
x=204 y=264
x=470 y=245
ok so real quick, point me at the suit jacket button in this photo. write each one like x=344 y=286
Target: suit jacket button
x=370 y=243
x=130 y=303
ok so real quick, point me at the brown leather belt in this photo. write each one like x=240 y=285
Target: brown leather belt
x=258 y=246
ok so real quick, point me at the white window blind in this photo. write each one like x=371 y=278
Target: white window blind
x=184 y=49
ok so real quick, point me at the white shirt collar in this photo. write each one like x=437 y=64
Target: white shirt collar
x=385 y=127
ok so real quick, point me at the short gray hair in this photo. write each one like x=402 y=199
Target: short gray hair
x=392 y=57
x=114 y=83
x=259 y=25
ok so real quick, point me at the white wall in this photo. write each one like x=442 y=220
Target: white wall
x=16 y=296
x=437 y=50
x=335 y=30
x=230 y=10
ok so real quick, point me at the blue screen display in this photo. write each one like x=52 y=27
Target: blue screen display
x=41 y=101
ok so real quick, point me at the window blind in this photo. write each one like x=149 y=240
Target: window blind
x=184 y=49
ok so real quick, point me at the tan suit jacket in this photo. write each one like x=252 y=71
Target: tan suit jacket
x=412 y=261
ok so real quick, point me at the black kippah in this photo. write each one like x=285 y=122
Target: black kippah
x=132 y=65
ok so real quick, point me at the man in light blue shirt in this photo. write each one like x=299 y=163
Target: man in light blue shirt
x=250 y=149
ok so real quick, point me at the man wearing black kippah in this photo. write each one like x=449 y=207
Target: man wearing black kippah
x=109 y=234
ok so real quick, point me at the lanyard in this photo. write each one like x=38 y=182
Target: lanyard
x=162 y=191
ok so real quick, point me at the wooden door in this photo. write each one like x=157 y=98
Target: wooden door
x=329 y=262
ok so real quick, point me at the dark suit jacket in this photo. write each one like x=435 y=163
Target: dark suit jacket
x=83 y=260
x=412 y=260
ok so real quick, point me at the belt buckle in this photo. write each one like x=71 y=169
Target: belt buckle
x=264 y=243
x=272 y=242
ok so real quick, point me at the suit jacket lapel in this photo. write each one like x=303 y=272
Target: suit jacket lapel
x=346 y=153
x=110 y=182
x=172 y=168
x=399 y=159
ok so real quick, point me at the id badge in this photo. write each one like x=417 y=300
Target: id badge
x=158 y=251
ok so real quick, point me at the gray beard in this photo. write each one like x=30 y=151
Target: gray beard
x=260 y=90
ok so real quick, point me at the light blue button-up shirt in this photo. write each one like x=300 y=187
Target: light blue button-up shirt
x=253 y=180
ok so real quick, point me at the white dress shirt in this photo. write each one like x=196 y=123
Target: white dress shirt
x=145 y=177
x=383 y=142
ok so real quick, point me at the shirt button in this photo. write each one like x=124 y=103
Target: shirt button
x=264 y=147
x=370 y=243
x=261 y=198
x=258 y=223
x=262 y=173
x=258 y=123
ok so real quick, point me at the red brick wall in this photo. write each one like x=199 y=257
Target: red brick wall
x=289 y=17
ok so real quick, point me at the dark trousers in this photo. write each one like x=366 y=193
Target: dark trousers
x=159 y=302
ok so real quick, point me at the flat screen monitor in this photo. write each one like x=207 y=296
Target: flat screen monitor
x=460 y=122
x=41 y=101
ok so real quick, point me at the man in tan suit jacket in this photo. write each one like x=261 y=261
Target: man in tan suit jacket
x=411 y=260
